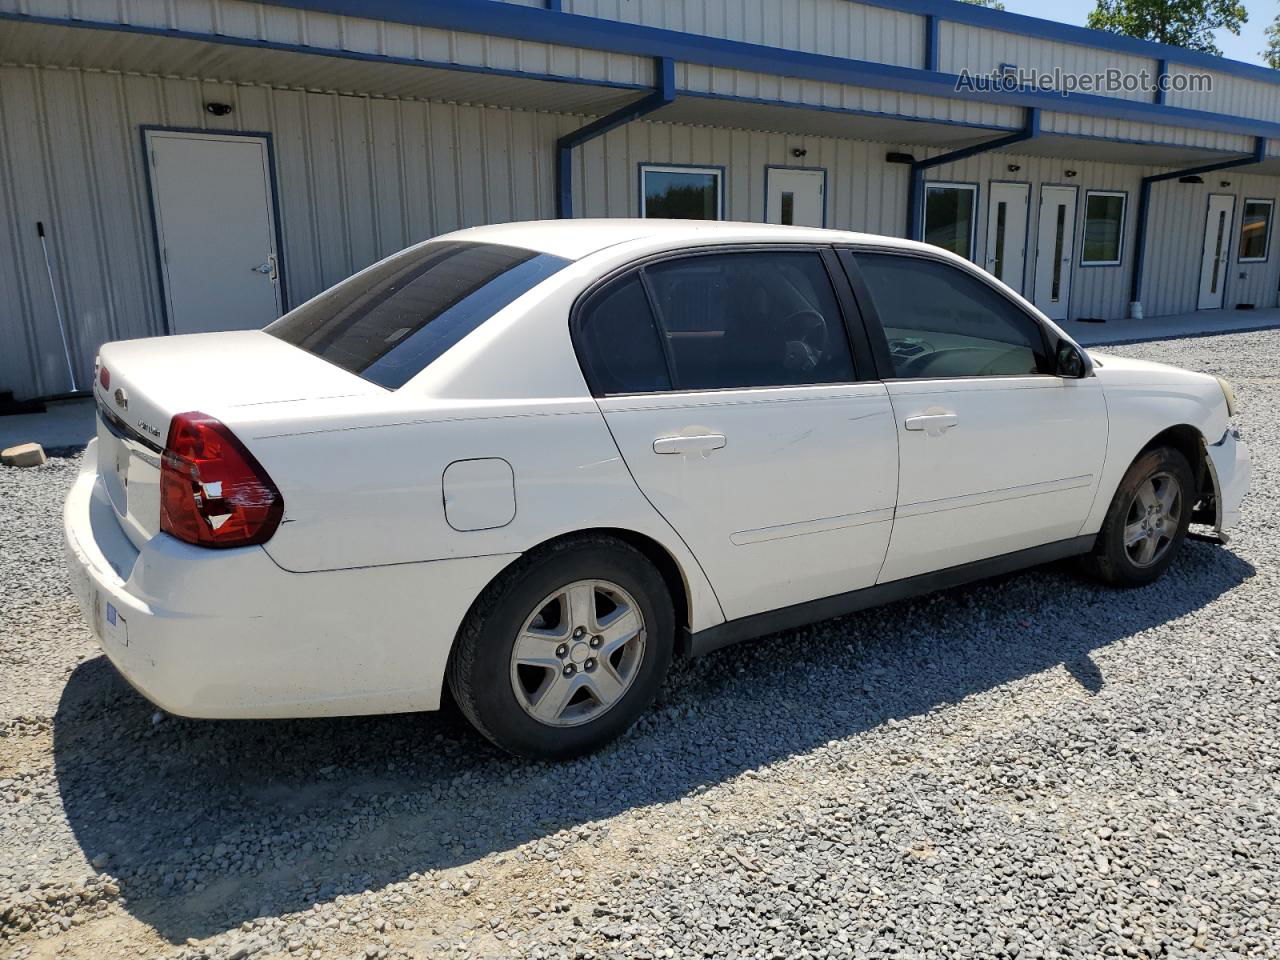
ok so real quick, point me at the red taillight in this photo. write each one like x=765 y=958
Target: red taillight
x=213 y=493
x=104 y=378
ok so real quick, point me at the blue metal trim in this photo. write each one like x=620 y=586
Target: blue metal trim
x=553 y=5
x=787 y=166
x=1144 y=207
x=265 y=136
x=665 y=71
x=916 y=182
x=1271 y=220
x=1084 y=228
x=1162 y=71
x=931 y=42
x=1028 y=26
x=548 y=26
x=717 y=168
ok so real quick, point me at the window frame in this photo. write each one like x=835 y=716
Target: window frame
x=975 y=188
x=861 y=347
x=1124 y=223
x=875 y=327
x=1271 y=220
x=717 y=171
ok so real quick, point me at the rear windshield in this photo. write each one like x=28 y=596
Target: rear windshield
x=388 y=323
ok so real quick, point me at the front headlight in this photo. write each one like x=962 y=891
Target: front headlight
x=1229 y=392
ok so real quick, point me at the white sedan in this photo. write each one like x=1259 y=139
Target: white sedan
x=536 y=461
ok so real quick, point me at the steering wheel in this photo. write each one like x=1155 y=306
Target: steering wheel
x=807 y=339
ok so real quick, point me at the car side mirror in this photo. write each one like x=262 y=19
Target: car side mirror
x=1070 y=362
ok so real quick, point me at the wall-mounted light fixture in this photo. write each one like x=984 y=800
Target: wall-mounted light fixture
x=1069 y=173
x=218 y=109
x=1014 y=167
x=1191 y=179
x=799 y=152
x=899 y=158
x=1224 y=183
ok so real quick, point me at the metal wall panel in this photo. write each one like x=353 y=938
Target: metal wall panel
x=237 y=18
x=1126 y=130
x=359 y=178
x=981 y=51
x=1236 y=96
x=832 y=27
x=743 y=83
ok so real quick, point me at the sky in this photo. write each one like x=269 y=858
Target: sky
x=1245 y=47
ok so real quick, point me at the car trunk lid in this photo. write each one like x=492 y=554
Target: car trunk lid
x=142 y=384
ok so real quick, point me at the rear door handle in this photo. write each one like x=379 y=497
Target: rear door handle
x=703 y=444
x=934 y=424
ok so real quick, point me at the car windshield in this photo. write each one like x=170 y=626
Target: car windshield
x=389 y=322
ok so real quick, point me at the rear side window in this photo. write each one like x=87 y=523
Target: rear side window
x=941 y=322
x=390 y=322
x=619 y=342
x=765 y=319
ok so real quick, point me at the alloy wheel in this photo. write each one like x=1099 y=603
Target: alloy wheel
x=1152 y=520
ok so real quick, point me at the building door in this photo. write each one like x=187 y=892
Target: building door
x=1055 y=248
x=796 y=197
x=213 y=205
x=1217 y=251
x=1007 y=232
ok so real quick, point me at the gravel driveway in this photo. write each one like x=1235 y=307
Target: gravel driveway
x=1031 y=767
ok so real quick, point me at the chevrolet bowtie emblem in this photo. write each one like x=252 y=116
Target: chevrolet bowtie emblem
x=122 y=399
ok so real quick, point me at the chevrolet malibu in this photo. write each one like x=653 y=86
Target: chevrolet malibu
x=534 y=462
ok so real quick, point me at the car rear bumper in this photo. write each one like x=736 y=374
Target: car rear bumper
x=228 y=633
x=1232 y=468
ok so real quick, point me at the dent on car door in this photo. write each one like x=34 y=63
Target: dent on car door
x=997 y=454
x=728 y=382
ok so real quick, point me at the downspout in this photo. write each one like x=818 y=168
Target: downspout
x=663 y=94
x=1144 y=207
x=915 y=188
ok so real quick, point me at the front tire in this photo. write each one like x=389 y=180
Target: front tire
x=1147 y=520
x=564 y=650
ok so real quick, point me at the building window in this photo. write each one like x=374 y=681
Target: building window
x=681 y=193
x=949 y=216
x=1255 y=231
x=1103 y=228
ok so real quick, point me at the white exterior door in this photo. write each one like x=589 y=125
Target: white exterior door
x=796 y=197
x=1007 y=232
x=1055 y=250
x=1217 y=251
x=215 y=227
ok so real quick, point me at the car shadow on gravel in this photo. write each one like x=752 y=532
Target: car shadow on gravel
x=208 y=824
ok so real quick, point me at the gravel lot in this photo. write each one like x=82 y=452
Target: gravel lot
x=1033 y=767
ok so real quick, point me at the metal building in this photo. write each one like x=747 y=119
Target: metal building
x=206 y=164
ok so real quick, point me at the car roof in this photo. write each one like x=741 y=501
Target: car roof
x=574 y=239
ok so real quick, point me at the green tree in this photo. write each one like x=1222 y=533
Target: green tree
x=1271 y=55
x=1183 y=23
x=990 y=4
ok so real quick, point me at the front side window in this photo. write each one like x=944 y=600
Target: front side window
x=750 y=319
x=388 y=323
x=680 y=193
x=949 y=216
x=941 y=322
x=1255 y=231
x=1103 y=228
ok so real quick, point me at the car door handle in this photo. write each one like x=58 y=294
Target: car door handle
x=702 y=443
x=933 y=424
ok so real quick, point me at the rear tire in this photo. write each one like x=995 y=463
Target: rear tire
x=1146 y=522
x=564 y=650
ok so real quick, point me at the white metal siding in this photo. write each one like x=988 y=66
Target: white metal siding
x=742 y=83
x=1235 y=96
x=309 y=28
x=981 y=51
x=1081 y=125
x=359 y=178
x=831 y=27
